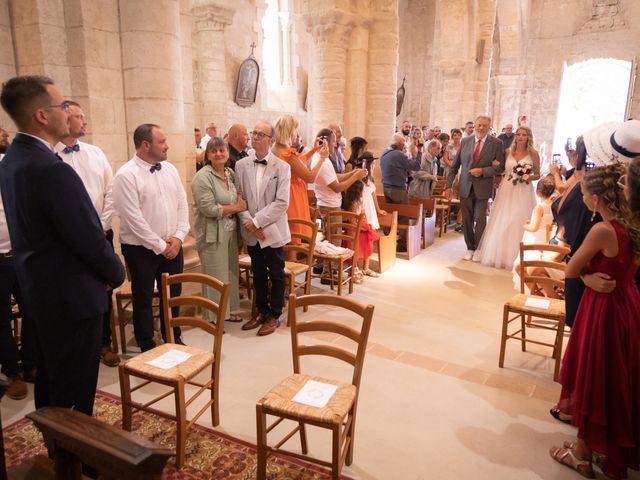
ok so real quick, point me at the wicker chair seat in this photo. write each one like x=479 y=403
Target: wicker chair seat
x=188 y=369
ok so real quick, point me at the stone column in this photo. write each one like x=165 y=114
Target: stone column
x=152 y=71
x=7 y=59
x=327 y=83
x=210 y=74
x=382 y=81
x=355 y=111
x=285 y=54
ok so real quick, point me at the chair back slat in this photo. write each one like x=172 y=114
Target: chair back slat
x=307 y=240
x=545 y=251
x=359 y=336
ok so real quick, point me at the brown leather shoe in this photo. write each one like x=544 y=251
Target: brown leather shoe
x=109 y=358
x=17 y=388
x=269 y=327
x=255 y=322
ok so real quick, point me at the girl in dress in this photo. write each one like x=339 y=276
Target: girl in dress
x=600 y=373
x=353 y=203
x=514 y=202
x=535 y=229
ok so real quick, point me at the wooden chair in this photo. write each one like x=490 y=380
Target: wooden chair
x=386 y=244
x=412 y=229
x=532 y=316
x=183 y=374
x=304 y=249
x=75 y=438
x=428 y=222
x=343 y=228
x=443 y=213
x=339 y=414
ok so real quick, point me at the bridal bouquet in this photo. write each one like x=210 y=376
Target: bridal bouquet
x=521 y=173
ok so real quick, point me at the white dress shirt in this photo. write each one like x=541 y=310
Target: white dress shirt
x=93 y=168
x=5 y=243
x=152 y=206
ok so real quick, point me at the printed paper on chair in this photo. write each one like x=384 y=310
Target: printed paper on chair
x=169 y=359
x=537 y=303
x=315 y=394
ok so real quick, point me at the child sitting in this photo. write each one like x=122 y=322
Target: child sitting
x=352 y=202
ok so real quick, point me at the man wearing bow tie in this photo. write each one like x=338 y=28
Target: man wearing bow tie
x=154 y=219
x=93 y=168
x=264 y=180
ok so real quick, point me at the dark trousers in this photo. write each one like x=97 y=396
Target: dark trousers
x=106 y=319
x=267 y=264
x=68 y=365
x=10 y=358
x=396 y=195
x=146 y=267
x=573 y=291
x=474 y=218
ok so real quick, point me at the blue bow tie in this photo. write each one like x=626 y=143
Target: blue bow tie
x=155 y=167
x=261 y=162
x=75 y=148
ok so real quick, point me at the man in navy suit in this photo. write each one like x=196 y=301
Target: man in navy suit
x=62 y=259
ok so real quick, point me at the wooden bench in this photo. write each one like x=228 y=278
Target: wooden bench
x=387 y=245
x=413 y=230
x=75 y=438
x=428 y=219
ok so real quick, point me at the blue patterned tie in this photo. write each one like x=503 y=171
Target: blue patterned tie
x=155 y=167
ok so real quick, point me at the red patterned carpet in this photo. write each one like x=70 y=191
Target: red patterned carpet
x=210 y=454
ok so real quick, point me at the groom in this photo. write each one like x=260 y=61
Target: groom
x=479 y=159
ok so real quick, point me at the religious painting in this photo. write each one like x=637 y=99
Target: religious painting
x=247 y=86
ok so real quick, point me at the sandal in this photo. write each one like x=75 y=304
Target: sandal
x=566 y=457
x=235 y=318
x=357 y=276
x=370 y=273
x=555 y=413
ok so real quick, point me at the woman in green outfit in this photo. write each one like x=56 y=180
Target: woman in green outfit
x=215 y=204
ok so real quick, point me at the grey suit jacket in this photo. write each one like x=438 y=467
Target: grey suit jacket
x=483 y=185
x=269 y=206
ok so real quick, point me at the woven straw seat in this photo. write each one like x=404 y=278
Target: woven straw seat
x=529 y=317
x=279 y=399
x=295 y=268
x=178 y=377
x=555 y=310
x=339 y=414
x=188 y=369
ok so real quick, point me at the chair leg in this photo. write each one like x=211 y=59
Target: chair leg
x=523 y=324
x=557 y=351
x=121 y=323
x=181 y=424
x=112 y=327
x=215 y=409
x=335 y=456
x=307 y=289
x=503 y=339
x=125 y=395
x=261 y=447
x=303 y=438
x=340 y=267
x=350 y=436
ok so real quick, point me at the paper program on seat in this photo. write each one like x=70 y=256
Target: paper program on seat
x=537 y=303
x=315 y=394
x=169 y=359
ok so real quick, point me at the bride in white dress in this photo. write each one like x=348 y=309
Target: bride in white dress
x=512 y=207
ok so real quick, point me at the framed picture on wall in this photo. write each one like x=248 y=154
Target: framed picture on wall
x=247 y=86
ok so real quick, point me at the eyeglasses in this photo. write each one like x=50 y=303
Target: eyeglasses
x=64 y=106
x=622 y=181
x=259 y=135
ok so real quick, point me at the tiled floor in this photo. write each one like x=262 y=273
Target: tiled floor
x=433 y=404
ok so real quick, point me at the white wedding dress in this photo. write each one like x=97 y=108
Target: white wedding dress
x=500 y=243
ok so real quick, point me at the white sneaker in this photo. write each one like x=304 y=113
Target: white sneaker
x=469 y=255
x=476 y=256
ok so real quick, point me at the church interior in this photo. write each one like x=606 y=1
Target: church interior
x=433 y=402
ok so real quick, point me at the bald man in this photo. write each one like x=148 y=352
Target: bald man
x=238 y=139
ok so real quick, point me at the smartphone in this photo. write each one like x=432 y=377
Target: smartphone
x=556 y=159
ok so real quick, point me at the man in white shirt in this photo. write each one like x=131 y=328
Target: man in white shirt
x=211 y=131
x=93 y=168
x=154 y=219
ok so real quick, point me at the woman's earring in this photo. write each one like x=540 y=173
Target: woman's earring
x=593 y=212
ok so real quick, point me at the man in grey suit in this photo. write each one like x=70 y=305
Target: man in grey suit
x=264 y=180
x=480 y=159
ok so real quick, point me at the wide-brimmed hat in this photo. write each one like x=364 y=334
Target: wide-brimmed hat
x=366 y=156
x=613 y=142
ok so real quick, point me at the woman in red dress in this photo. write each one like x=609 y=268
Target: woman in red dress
x=600 y=374
x=286 y=131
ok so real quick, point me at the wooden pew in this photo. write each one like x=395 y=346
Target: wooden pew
x=413 y=231
x=75 y=438
x=386 y=245
x=428 y=219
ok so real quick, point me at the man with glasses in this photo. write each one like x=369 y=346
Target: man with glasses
x=63 y=261
x=264 y=180
x=93 y=168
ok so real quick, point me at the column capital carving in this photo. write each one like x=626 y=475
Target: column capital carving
x=210 y=16
x=333 y=27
